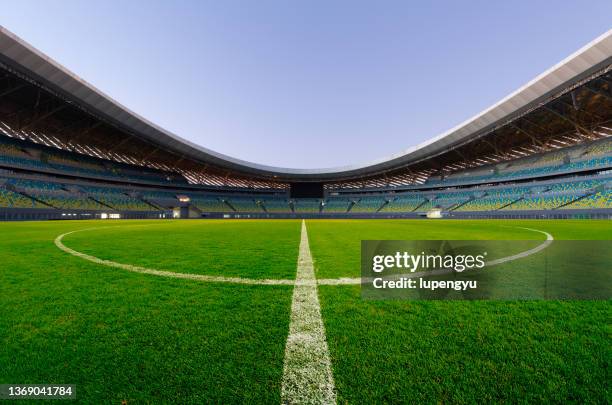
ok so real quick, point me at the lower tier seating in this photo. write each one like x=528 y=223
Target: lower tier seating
x=307 y=205
x=368 y=204
x=210 y=204
x=336 y=205
x=594 y=192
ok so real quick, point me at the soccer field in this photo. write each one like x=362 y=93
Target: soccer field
x=200 y=311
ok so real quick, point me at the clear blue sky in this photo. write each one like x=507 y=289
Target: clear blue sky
x=307 y=83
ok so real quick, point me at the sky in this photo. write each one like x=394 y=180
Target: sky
x=307 y=84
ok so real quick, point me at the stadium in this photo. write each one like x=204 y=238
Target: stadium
x=142 y=267
x=70 y=151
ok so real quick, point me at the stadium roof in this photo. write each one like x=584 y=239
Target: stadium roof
x=30 y=62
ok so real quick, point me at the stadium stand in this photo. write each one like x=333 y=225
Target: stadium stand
x=368 y=204
x=211 y=204
x=18 y=154
x=566 y=193
x=405 y=203
x=546 y=150
x=245 y=204
x=10 y=199
x=336 y=205
x=276 y=205
x=599 y=199
x=310 y=205
x=593 y=156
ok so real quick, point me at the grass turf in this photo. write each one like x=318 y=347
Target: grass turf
x=466 y=351
x=252 y=249
x=458 y=351
x=119 y=335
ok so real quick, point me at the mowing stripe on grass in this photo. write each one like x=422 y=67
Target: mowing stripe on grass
x=307 y=375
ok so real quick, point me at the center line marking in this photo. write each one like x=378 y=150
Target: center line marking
x=307 y=374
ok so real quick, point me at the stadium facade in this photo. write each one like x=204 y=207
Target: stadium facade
x=68 y=151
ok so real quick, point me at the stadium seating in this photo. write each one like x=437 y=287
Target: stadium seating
x=9 y=149
x=447 y=201
x=405 y=203
x=39 y=191
x=486 y=204
x=336 y=205
x=211 y=204
x=599 y=148
x=57 y=195
x=308 y=205
x=71 y=202
x=581 y=157
x=28 y=184
x=541 y=202
x=42 y=159
x=368 y=204
x=573 y=193
x=245 y=204
x=10 y=199
x=600 y=199
x=276 y=205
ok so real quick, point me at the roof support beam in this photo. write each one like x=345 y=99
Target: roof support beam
x=597 y=91
x=120 y=144
x=563 y=117
x=78 y=136
x=575 y=102
x=36 y=120
x=534 y=139
x=13 y=89
x=148 y=155
x=589 y=113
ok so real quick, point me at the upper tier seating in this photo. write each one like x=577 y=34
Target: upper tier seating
x=36 y=157
x=578 y=158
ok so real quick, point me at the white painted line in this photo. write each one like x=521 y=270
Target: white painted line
x=549 y=240
x=161 y=273
x=307 y=374
x=241 y=280
x=354 y=281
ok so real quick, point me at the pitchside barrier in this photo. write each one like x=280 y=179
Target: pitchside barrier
x=30 y=214
x=550 y=214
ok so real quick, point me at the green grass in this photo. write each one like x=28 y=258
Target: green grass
x=467 y=351
x=119 y=335
x=459 y=351
x=336 y=244
x=253 y=249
